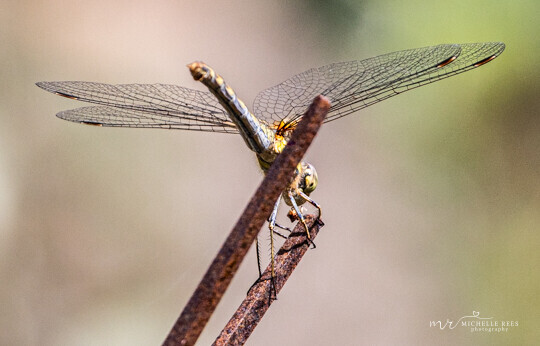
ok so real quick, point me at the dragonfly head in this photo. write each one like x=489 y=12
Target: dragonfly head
x=308 y=178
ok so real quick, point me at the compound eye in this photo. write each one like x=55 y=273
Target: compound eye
x=310 y=179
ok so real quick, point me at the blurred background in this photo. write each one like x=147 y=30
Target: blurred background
x=430 y=198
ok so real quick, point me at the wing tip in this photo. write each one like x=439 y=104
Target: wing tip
x=499 y=49
x=53 y=87
x=44 y=85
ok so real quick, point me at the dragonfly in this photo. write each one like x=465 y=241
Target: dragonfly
x=350 y=87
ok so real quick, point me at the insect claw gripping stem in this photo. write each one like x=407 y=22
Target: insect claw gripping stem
x=301 y=218
x=308 y=236
x=316 y=205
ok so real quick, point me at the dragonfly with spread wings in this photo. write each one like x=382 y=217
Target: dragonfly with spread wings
x=350 y=86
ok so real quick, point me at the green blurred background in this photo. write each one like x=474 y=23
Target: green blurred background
x=431 y=199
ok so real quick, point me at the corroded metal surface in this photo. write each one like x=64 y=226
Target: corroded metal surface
x=258 y=300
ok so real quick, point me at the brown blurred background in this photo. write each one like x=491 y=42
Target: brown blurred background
x=431 y=199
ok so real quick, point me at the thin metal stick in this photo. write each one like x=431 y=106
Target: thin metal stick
x=208 y=293
x=258 y=300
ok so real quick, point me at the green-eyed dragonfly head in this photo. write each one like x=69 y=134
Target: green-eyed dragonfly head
x=309 y=179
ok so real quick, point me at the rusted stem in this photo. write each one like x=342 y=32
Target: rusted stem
x=258 y=300
x=208 y=293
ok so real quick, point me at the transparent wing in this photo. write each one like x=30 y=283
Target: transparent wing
x=143 y=105
x=355 y=85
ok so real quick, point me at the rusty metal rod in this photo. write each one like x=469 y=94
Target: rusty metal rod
x=215 y=281
x=258 y=300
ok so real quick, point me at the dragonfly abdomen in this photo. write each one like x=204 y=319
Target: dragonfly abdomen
x=257 y=135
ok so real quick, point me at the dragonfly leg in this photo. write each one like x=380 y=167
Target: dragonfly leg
x=271 y=225
x=315 y=204
x=258 y=250
x=279 y=226
x=300 y=217
x=279 y=233
x=283 y=228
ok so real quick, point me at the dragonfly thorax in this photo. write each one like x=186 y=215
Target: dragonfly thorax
x=268 y=155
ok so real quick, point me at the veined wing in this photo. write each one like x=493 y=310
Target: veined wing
x=143 y=105
x=355 y=85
